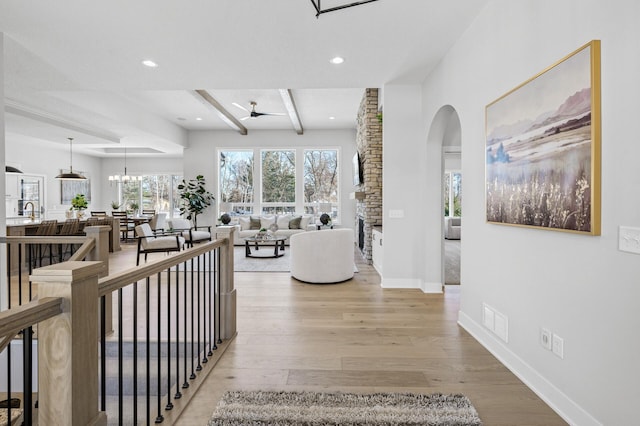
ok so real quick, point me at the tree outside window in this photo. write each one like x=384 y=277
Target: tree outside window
x=452 y=194
x=236 y=180
x=321 y=180
x=278 y=181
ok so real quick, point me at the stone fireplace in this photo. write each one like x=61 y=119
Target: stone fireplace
x=369 y=146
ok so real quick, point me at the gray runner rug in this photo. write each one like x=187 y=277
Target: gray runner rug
x=315 y=408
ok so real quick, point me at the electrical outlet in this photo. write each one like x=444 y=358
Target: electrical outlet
x=558 y=346
x=545 y=338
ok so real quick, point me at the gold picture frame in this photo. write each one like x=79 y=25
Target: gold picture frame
x=542 y=152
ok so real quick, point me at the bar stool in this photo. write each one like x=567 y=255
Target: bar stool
x=69 y=227
x=46 y=228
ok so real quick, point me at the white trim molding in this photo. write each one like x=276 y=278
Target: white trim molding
x=411 y=283
x=564 y=406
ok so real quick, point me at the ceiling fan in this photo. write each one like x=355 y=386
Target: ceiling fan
x=253 y=113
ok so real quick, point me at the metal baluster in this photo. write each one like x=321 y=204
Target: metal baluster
x=135 y=352
x=27 y=383
x=198 y=317
x=103 y=354
x=120 y=365
x=148 y=318
x=159 y=417
x=169 y=405
x=193 y=374
x=186 y=383
x=204 y=308
x=217 y=296
x=178 y=394
x=211 y=308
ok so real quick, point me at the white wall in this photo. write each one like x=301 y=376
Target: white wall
x=580 y=287
x=38 y=158
x=200 y=157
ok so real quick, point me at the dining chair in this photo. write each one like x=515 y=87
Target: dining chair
x=126 y=226
x=148 y=212
x=98 y=213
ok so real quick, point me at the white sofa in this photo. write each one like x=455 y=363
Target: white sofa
x=288 y=225
x=322 y=257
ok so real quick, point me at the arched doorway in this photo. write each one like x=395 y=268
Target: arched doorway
x=445 y=138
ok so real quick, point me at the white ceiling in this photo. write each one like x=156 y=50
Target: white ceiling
x=73 y=68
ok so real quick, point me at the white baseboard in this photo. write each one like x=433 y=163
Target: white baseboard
x=566 y=408
x=411 y=283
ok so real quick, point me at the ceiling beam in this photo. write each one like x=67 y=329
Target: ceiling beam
x=290 y=106
x=225 y=115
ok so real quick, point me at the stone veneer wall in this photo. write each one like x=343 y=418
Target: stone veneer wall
x=369 y=146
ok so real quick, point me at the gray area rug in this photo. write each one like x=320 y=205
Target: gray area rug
x=452 y=261
x=345 y=409
x=252 y=264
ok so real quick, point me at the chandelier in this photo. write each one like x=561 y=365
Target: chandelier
x=124 y=178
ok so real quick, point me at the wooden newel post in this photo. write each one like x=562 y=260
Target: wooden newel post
x=68 y=346
x=227 y=287
x=101 y=252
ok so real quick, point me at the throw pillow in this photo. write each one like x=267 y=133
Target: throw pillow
x=283 y=221
x=244 y=223
x=267 y=221
x=304 y=222
x=254 y=223
x=295 y=223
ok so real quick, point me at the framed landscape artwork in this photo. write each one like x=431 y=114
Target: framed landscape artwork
x=71 y=188
x=543 y=148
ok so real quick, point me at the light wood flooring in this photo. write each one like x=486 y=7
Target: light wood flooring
x=357 y=337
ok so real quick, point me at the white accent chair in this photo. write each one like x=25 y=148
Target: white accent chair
x=157 y=222
x=191 y=234
x=322 y=257
x=148 y=242
x=452 y=228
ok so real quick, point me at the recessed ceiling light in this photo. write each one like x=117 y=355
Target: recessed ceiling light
x=332 y=118
x=198 y=118
x=181 y=119
x=149 y=63
x=337 y=60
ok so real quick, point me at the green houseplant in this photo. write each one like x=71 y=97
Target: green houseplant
x=115 y=205
x=195 y=198
x=79 y=202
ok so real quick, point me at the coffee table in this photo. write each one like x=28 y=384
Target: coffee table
x=277 y=242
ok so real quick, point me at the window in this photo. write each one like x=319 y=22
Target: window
x=157 y=192
x=452 y=194
x=321 y=182
x=289 y=181
x=278 y=181
x=236 y=180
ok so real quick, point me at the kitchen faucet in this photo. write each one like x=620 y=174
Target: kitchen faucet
x=32 y=216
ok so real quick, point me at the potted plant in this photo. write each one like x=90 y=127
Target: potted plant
x=79 y=203
x=133 y=207
x=195 y=198
x=115 y=205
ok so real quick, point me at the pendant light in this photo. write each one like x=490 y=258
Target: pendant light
x=71 y=175
x=11 y=169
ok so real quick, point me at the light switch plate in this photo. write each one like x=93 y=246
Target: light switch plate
x=629 y=239
x=396 y=214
